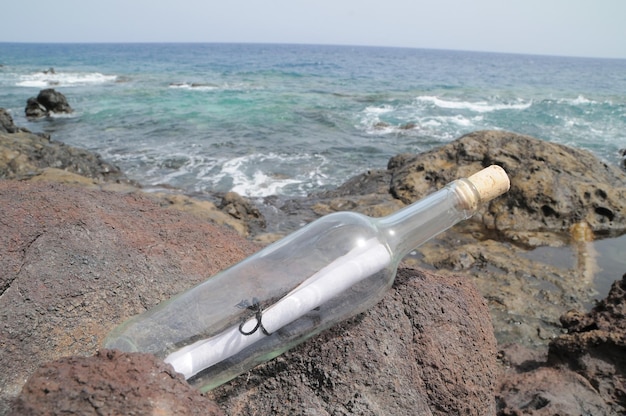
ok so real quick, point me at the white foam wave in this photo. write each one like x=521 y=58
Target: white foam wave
x=194 y=86
x=63 y=79
x=379 y=110
x=478 y=106
x=407 y=122
x=198 y=86
x=580 y=100
x=258 y=175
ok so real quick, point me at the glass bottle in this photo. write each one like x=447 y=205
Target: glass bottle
x=330 y=270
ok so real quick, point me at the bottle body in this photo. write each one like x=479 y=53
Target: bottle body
x=326 y=272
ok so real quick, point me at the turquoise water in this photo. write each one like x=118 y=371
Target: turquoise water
x=292 y=119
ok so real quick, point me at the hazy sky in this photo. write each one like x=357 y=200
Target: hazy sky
x=595 y=28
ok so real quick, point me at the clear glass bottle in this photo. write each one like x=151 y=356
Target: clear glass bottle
x=326 y=272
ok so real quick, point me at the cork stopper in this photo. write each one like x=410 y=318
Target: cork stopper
x=490 y=182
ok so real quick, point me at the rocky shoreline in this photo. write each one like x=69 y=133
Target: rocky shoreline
x=561 y=199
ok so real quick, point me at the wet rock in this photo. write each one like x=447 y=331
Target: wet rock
x=111 y=383
x=242 y=209
x=584 y=371
x=595 y=345
x=48 y=101
x=24 y=155
x=6 y=123
x=34 y=109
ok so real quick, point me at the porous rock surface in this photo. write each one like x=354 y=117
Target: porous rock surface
x=110 y=383
x=552 y=186
x=584 y=371
x=426 y=349
x=78 y=261
x=561 y=200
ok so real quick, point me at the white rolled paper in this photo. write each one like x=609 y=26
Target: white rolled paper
x=366 y=259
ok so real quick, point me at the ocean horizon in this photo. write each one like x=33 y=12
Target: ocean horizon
x=284 y=119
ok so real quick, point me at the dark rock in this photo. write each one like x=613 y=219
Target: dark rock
x=111 y=383
x=6 y=123
x=54 y=101
x=48 y=101
x=34 y=109
x=79 y=261
x=25 y=155
x=530 y=264
x=595 y=345
x=242 y=209
x=584 y=371
x=553 y=186
x=408 y=126
x=622 y=153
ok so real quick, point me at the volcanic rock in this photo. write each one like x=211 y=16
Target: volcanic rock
x=553 y=187
x=78 y=261
x=531 y=251
x=111 y=383
x=6 y=123
x=48 y=101
x=584 y=371
x=24 y=155
x=426 y=349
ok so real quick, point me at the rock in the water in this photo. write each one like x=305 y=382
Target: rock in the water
x=34 y=109
x=48 y=101
x=110 y=383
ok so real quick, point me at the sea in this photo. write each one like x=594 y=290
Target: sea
x=272 y=119
x=289 y=120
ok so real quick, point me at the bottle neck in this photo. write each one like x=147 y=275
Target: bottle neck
x=419 y=222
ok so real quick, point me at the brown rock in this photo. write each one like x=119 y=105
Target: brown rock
x=595 y=345
x=530 y=263
x=584 y=371
x=552 y=186
x=110 y=383
x=76 y=262
x=242 y=209
x=426 y=348
x=79 y=261
x=549 y=391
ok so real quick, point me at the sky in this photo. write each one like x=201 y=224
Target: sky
x=587 y=28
